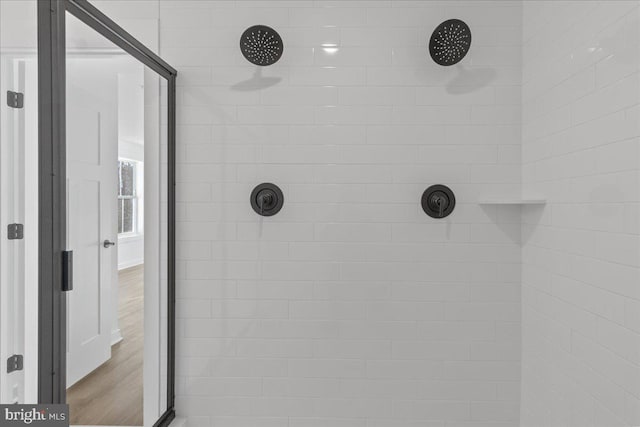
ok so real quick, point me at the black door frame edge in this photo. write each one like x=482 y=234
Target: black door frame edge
x=52 y=188
x=51 y=203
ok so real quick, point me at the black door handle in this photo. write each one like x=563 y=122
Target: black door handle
x=67 y=271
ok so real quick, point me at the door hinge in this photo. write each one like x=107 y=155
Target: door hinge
x=15 y=99
x=15 y=231
x=15 y=363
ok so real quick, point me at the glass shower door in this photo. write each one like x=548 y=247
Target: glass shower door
x=117 y=227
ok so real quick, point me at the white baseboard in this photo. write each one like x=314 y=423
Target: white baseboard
x=116 y=336
x=179 y=422
x=130 y=264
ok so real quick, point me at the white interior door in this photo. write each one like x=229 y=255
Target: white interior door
x=91 y=175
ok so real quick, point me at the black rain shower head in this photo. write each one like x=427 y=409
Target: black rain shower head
x=450 y=42
x=261 y=45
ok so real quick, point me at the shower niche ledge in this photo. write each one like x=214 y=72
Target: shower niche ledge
x=522 y=201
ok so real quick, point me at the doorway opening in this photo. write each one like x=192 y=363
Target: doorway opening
x=106 y=229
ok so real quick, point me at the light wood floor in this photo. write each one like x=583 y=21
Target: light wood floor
x=112 y=394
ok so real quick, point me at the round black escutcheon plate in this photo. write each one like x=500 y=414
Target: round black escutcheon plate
x=438 y=201
x=267 y=199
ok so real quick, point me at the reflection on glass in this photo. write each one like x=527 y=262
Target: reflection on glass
x=116 y=324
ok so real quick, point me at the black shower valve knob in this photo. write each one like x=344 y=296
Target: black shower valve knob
x=438 y=201
x=267 y=199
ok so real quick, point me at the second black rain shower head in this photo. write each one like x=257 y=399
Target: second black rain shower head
x=261 y=45
x=450 y=42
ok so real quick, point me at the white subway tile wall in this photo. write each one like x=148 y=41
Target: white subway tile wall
x=351 y=307
x=581 y=253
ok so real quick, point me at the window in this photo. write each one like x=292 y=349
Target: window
x=127 y=197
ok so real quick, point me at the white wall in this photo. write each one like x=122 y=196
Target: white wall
x=131 y=252
x=581 y=293
x=350 y=307
x=131 y=109
x=19 y=201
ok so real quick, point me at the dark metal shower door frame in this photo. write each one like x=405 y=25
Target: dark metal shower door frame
x=52 y=188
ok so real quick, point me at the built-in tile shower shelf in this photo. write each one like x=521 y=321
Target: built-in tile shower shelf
x=513 y=201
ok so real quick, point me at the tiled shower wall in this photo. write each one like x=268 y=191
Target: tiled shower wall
x=581 y=253
x=350 y=307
